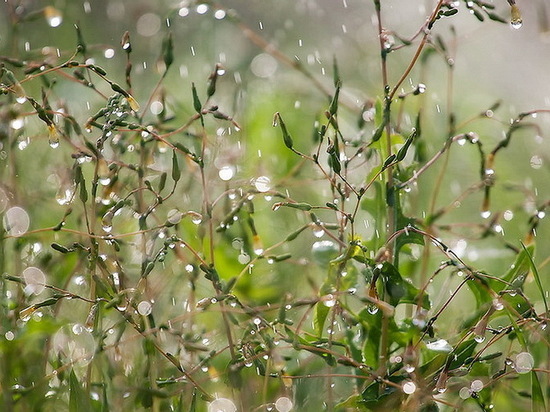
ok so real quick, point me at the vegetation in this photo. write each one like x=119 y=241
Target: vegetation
x=259 y=235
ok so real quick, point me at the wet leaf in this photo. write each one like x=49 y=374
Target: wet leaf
x=79 y=401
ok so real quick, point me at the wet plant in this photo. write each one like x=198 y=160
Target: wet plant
x=188 y=244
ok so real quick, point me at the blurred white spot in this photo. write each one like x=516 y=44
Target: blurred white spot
x=148 y=24
x=156 y=107
x=283 y=404
x=109 y=53
x=219 y=14
x=35 y=280
x=222 y=405
x=144 y=308
x=409 y=387
x=263 y=65
x=202 y=8
x=524 y=362
x=262 y=184
x=16 y=221
x=226 y=173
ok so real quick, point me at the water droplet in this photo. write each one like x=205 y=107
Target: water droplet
x=476 y=386
x=409 y=387
x=226 y=173
x=409 y=368
x=262 y=184
x=329 y=300
x=440 y=345
x=174 y=216
x=524 y=362
x=497 y=304
x=107 y=221
x=464 y=393
x=283 y=404
x=196 y=218
x=372 y=309
x=222 y=405
x=53 y=16
x=485 y=214
x=516 y=24
x=536 y=162
x=16 y=221
x=479 y=338
x=508 y=215
x=243 y=258
x=145 y=308
x=75 y=343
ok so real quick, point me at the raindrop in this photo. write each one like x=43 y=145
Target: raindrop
x=226 y=173
x=75 y=343
x=148 y=24
x=464 y=393
x=9 y=335
x=109 y=53
x=35 y=280
x=263 y=65
x=409 y=387
x=283 y=404
x=479 y=338
x=485 y=214
x=156 y=107
x=516 y=24
x=524 y=362
x=16 y=221
x=174 y=216
x=536 y=162
x=243 y=258
x=476 y=386
x=262 y=184
x=409 y=368
x=222 y=405
x=144 y=308
x=440 y=345
x=53 y=16
x=508 y=215
x=329 y=301
x=219 y=14
x=196 y=218
x=202 y=8
x=497 y=304
x=372 y=309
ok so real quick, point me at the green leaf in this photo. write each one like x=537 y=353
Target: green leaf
x=403 y=150
x=168 y=50
x=176 y=173
x=372 y=324
x=537 y=396
x=398 y=289
x=196 y=101
x=287 y=138
x=321 y=313
x=79 y=401
x=333 y=108
x=536 y=276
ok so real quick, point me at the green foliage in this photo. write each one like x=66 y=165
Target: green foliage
x=198 y=252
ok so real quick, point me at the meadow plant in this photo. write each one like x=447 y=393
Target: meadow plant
x=199 y=245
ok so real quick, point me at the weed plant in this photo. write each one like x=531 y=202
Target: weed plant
x=187 y=253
